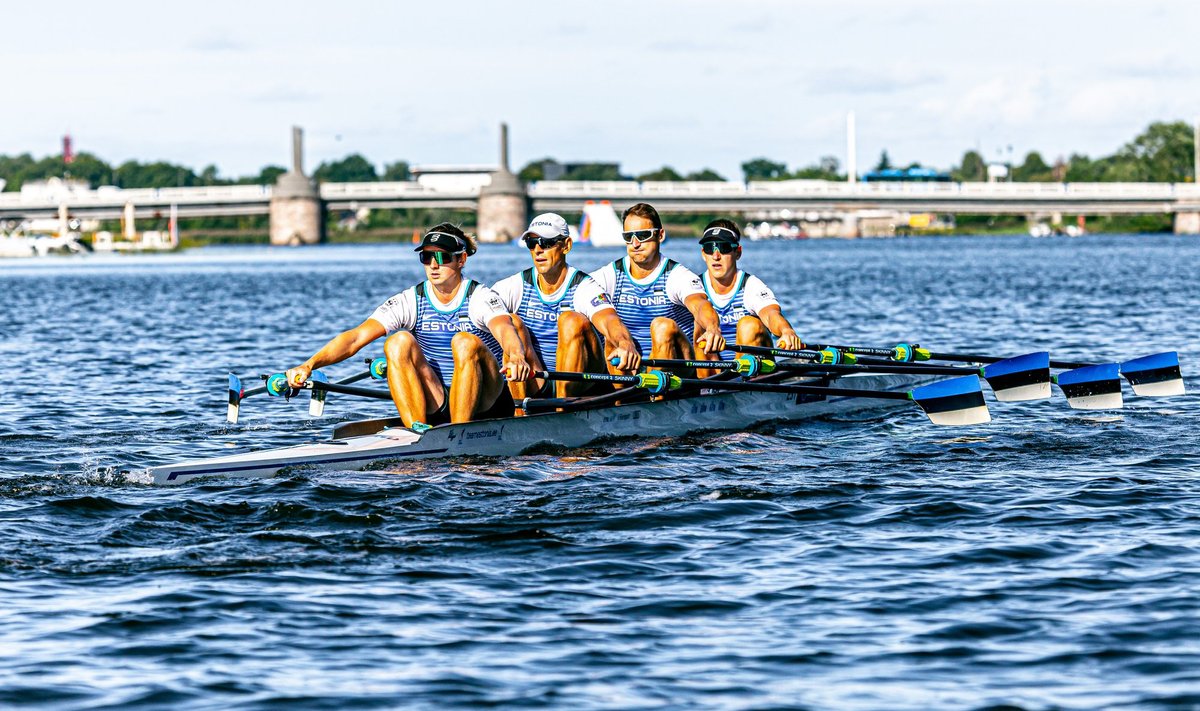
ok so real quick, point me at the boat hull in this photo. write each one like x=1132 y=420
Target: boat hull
x=512 y=436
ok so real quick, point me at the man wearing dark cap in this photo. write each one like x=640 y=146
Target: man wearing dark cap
x=555 y=307
x=451 y=342
x=747 y=308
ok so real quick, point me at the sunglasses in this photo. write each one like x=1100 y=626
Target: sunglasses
x=543 y=242
x=722 y=247
x=640 y=235
x=439 y=257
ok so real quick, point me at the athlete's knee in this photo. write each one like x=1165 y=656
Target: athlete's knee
x=572 y=325
x=750 y=329
x=466 y=345
x=663 y=328
x=400 y=345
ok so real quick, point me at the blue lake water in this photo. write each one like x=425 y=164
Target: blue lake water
x=1048 y=559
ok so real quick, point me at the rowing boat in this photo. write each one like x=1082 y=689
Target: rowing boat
x=357 y=445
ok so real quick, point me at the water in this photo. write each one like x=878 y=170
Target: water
x=1046 y=560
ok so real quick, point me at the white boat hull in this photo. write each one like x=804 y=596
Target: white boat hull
x=512 y=436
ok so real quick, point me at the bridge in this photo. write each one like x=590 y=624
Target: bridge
x=295 y=204
x=668 y=197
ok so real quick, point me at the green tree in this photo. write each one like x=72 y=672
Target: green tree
x=352 y=169
x=972 y=169
x=267 y=176
x=705 y=175
x=595 y=171
x=1162 y=153
x=396 y=171
x=534 y=170
x=1033 y=170
x=885 y=163
x=827 y=169
x=665 y=173
x=763 y=169
x=159 y=174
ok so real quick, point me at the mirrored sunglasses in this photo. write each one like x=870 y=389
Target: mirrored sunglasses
x=543 y=242
x=722 y=247
x=639 y=235
x=439 y=257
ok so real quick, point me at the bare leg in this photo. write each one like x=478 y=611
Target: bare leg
x=668 y=341
x=520 y=390
x=415 y=387
x=578 y=351
x=752 y=332
x=477 y=380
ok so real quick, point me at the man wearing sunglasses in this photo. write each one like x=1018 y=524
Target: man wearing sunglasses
x=661 y=301
x=448 y=337
x=555 y=307
x=748 y=310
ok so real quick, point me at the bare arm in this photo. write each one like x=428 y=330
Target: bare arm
x=772 y=317
x=516 y=363
x=617 y=335
x=708 y=324
x=339 y=348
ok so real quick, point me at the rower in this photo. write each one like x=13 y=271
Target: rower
x=447 y=338
x=555 y=307
x=748 y=310
x=661 y=301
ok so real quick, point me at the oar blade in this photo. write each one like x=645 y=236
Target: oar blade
x=316 y=405
x=1095 y=387
x=958 y=401
x=1154 y=375
x=1025 y=377
x=236 y=392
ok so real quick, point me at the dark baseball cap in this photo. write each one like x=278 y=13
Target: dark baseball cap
x=445 y=240
x=720 y=234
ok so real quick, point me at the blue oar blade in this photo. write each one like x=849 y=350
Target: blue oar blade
x=1154 y=375
x=958 y=401
x=1095 y=387
x=1025 y=377
x=316 y=405
x=235 y=398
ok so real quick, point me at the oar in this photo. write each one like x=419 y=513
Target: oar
x=277 y=385
x=1098 y=385
x=958 y=401
x=1016 y=379
x=901 y=352
x=827 y=356
x=316 y=408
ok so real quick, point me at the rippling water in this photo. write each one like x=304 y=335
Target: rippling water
x=1046 y=560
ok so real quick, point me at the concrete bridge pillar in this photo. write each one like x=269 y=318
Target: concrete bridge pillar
x=297 y=214
x=849 y=227
x=503 y=204
x=1187 y=223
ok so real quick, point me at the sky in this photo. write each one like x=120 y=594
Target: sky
x=690 y=84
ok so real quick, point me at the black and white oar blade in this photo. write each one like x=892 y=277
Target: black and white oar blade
x=1154 y=375
x=235 y=398
x=958 y=401
x=1095 y=387
x=1025 y=377
x=316 y=405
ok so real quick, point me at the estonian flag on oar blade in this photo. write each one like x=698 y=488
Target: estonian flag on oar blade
x=1025 y=377
x=1154 y=375
x=958 y=401
x=1095 y=387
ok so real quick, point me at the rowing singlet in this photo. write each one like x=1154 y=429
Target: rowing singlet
x=748 y=298
x=522 y=296
x=661 y=294
x=434 y=326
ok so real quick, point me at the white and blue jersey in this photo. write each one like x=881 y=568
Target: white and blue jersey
x=748 y=298
x=522 y=296
x=661 y=294
x=434 y=324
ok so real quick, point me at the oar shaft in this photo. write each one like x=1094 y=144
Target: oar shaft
x=980 y=358
x=780 y=352
x=738 y=385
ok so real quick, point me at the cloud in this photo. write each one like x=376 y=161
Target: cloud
x=217 y=42
x=283 y=95
x=856 y=80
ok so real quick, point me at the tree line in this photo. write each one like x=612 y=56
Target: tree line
x=1163 y=152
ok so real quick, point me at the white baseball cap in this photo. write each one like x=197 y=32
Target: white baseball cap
x=548 y=224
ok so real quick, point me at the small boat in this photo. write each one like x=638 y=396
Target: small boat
x=355 y=445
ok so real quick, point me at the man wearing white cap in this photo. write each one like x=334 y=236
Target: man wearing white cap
x=555 y=307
